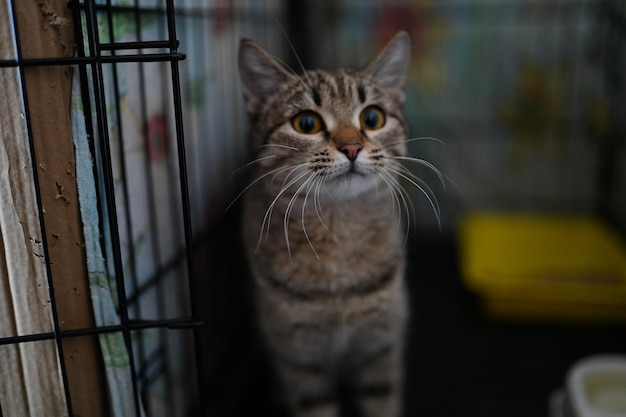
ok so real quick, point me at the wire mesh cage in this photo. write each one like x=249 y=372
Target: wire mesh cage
x=114 y=249
x=106 y=199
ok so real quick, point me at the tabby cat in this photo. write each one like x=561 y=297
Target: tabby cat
x=323 y=229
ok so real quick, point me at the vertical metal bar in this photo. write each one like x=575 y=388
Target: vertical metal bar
x=132 y=256
x=44 y=239
x=74 y=5
x=85 y=79
x=120 y=141
x=181 y=149
x=100 y=102
x=157 y=260
x=182 y=165
x=140 y=342
x=161 y=276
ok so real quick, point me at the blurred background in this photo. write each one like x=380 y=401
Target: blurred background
x=528 y=99
x=526 y=95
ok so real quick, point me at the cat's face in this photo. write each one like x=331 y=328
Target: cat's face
x=335 y=132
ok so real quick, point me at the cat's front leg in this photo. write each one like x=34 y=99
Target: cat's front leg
x=308 y=390
x=377 y=387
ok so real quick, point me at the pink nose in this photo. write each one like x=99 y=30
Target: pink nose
x=351 y=150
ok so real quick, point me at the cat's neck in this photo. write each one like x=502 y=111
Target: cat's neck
x=335 y=239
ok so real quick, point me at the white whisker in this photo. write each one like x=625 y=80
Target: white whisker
x=314 y=180
x=433 y=201
x=421 y=138
x=402 y=168
x=390 y=182
x=275 y=171
x=317 y=204
x=295 y=53
x=288 y=212
x=430 y=138
x=401 y=199
x=426 y=164
x=295 y=168
x=268 y=212
x=277 y=145
x=261 y=159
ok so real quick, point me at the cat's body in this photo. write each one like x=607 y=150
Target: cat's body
x=323 y=229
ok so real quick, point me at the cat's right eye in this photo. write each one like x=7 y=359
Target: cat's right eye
x=372 y=118
x=307 y=122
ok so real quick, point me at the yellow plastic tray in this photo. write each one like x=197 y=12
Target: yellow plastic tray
x=545 y=267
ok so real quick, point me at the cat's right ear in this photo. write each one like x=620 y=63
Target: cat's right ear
x=391 y=64
x=261 y=74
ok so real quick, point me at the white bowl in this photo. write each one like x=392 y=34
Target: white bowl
x=596 y=386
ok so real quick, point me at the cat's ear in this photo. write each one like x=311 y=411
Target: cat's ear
x=390 y=66
x=261 y=74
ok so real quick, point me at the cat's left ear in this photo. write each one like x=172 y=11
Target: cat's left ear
x=391 y=64
x=261 y=74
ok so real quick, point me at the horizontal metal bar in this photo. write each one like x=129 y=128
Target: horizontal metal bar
x=188 y=11
x=34 y=62
x=116 y=8
x=173 y=324
x=118 y=46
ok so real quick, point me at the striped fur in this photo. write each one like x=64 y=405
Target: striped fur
x=323 y=229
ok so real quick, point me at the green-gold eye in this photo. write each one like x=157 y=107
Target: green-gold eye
x=372 y=118
x=307 y=122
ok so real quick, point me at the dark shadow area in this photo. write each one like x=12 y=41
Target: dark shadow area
x=459 y=364
x=462 y=364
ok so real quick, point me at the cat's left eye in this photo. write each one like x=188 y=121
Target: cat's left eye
x=307 y=122
x=372 y=118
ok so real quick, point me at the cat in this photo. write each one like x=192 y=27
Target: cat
x=323 y=228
